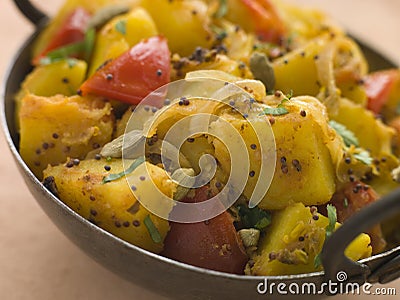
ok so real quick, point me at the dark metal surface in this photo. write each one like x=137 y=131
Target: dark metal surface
x=161 y=274
x=31 y=12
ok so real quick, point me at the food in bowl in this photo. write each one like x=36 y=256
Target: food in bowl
x=88 y=108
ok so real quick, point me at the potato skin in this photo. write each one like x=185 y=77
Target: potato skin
x=112 y=206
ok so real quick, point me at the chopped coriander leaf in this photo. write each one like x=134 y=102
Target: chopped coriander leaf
x=84 y=48
x=88 y=43
x=332 y=217
x=133 y=166
x=288 y=96
x=152 y=229
x=348 y=136
x=222 y=9
x=275 y=111
x=364 y=157
x=332 y=220
x=317 y=261
x=254 y=217
x=120 y=26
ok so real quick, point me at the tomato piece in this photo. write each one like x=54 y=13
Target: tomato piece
x=378 y=86
x=134 y=74
x=350 y=199
x=71 y=31
x=267 y=24
x=212 y=244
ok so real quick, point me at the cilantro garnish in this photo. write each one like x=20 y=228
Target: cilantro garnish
x=332 y=217
x=280 y=109
x=84 y=47
x=254 y=217
x=222 y=9
x=364 y=157
x=132 y=167
x=120 y=26
x=152 y=229
x=275 y=111
x=348 y=136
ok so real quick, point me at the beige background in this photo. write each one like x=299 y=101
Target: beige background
x=36 y=260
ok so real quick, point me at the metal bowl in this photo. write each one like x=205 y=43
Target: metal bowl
x=172 y=278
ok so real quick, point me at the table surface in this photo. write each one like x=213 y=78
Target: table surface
x=36 y=260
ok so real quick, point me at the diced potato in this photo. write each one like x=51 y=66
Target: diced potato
x=112 y=206
x=121 y=33
x=303 y=149
x=68 y=6
x=294 y=238
x=54 y=128
x=299 y=64
x=184 y=23
x=378 y=140
x=63 y=77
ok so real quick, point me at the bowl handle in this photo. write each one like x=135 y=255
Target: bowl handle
x=31 y=12
x=336 y=263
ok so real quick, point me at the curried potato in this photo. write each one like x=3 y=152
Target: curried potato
x=380 y=137
x=62 y=77
x=90 y=5
x=121 y=33
x=54 y=128
x=184 y=29
x=112 y=205
x=293 y=240
x=303 y=145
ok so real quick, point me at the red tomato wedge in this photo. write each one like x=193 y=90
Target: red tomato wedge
x=134 y=74
x=71 y=31
x=267 y=23
x=378 y=86
x=212 y=244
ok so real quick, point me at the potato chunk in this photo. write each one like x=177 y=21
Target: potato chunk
x=121 y=33
x=112 y=205
x=293 y=240
x=62 y=77
x=378 y=141
x=184 y=29
x=304 y=170
x=54 y=128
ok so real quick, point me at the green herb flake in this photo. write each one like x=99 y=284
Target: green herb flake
x=345 y=202
x=88 y=43
x=66 y=52
x=275 y=111
x=348 y=136
x=152 y=229
x=72 y=62
x=288 y=97
x=132 y=167
x=332 y=217
x=332 y=220
x=120 y=26
x=364 y=157
x=222 y=9
x=317 y=261
x=254 y=217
